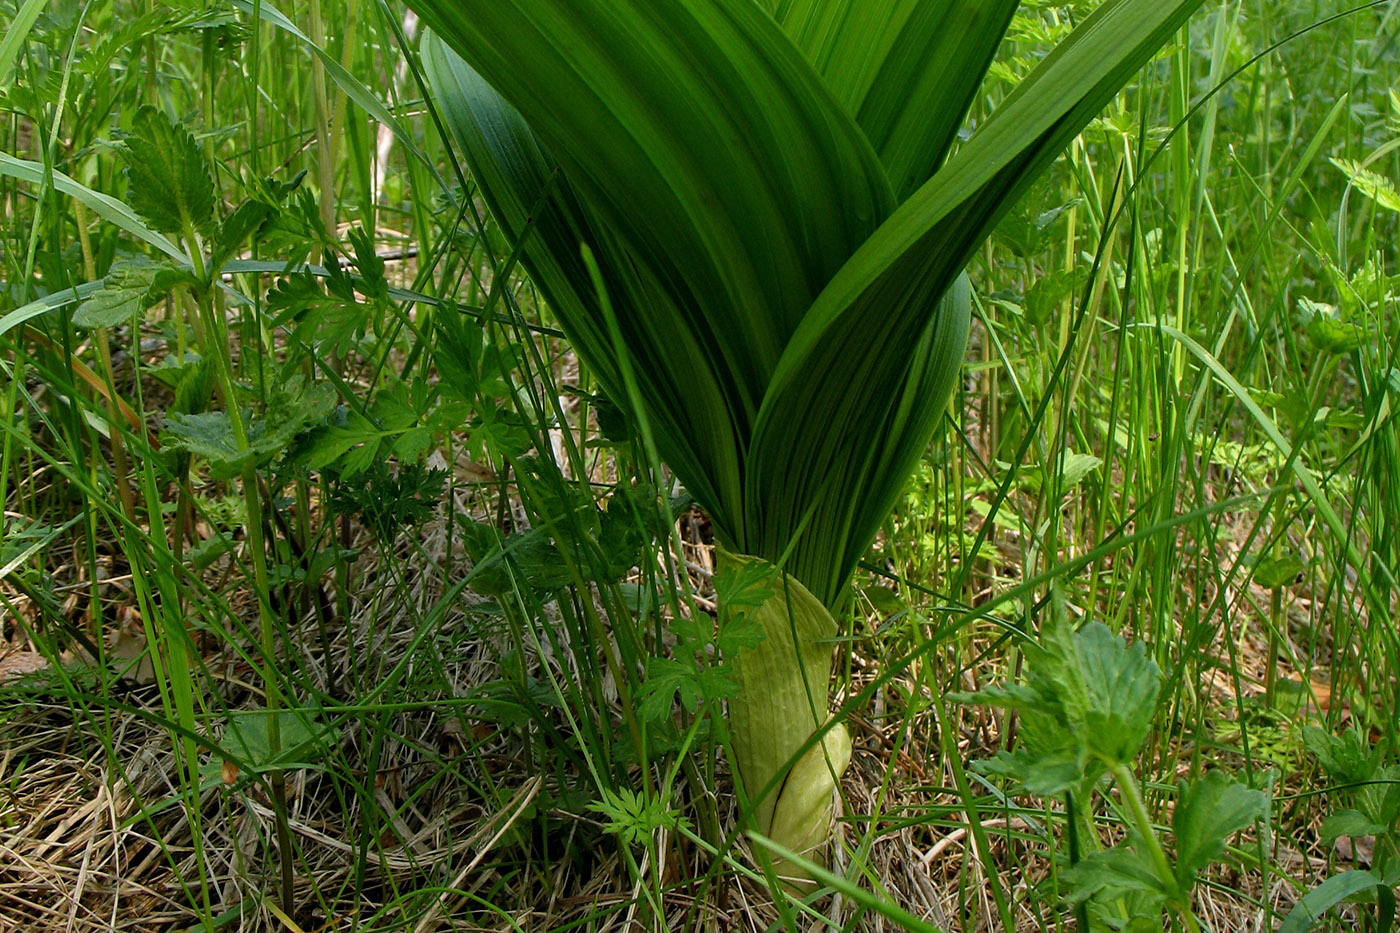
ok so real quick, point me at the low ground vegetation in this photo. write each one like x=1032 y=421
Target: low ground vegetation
x=336 y=594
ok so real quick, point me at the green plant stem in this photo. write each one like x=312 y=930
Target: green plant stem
x=217 y=346
x=325 y=157
x=121 y=473
x=1147 y=834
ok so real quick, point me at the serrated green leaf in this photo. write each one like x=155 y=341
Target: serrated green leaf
x=665 y=678
x=1088 y=697
x=334 y=441
x=208 y=435
x=169 y=177
x=746 y=585
x=1373 y=185
x=105 y=206
x=1349 y=823
x=1209 y=810
x=1113 y=873
x=1123 y=685
x=1043 y=773
x=293 y=409
x=129 y=288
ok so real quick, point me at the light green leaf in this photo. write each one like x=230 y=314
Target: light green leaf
x=1113 y=873
x=129 y=288
x=1043 y=773
x=1277 y=571
x=1325 y=896
x=1349 y=823
x=1373 y=185
x=15 y=34
x=248 y=737
x=1122 y=685
x=208 y=435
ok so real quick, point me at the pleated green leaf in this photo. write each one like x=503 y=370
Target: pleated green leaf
x=734 y=167
x=537 y=206
x=906 y=69
x=702 y=138
x=849 y=363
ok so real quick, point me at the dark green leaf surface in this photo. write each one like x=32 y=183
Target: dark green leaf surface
x=791 y=335
x=1210 y=810
x=739 y=245
x=168 y=174
x=907 y=73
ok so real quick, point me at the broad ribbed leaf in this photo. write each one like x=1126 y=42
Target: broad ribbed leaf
x=537 y=207
x=847 y=365
x=907 y=69
x=702 y=139
x=795 y=337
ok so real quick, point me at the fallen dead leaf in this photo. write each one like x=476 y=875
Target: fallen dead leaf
x=18 y=663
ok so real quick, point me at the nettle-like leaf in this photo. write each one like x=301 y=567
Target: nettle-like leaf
x=131 y=286
x=1123 y=685
x=293 y=409
x=170 y=185
x=1209 y=811
x=1115 y=873
x=1088 y=696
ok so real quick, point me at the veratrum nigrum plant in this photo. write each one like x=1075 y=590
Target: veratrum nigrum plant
x=779 y=217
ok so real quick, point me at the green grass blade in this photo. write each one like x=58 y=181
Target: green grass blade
x=15 y=34
x=353 y=87
x=103 y=205
x=907 y=72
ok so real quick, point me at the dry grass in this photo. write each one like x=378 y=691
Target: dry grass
x=81 y=854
